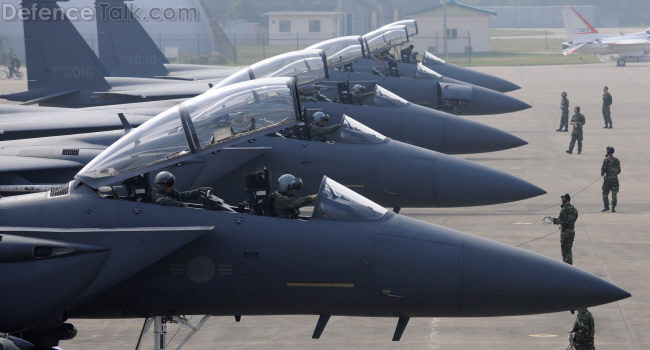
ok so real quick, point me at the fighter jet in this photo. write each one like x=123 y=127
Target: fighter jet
x=416 y=125
x=64 y=71
x=582 y=37
x=107 y=254
x=357 y=62
x=126 y=50
x=357 y=155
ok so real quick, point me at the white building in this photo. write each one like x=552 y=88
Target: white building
x=303 y=28
x=467 y=28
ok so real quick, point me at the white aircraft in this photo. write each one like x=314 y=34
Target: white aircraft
x=582 y=37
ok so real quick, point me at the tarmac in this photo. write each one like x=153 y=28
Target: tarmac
x=615 y=246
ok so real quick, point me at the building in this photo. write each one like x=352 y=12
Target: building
x=303 y=28
x=535 y=16
x=468 y=28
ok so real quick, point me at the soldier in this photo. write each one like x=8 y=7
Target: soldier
x=165 y=194
x=359 y=94
x=607 y=102
x=610 y=170
x=318 y=130
x=564 y=119
x=286 y=205
x=577 y=120
x=14 y=65
x=566 y=220
x=407 y=54
x=582 y=334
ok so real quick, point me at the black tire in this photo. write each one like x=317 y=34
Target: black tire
x=4 y=74
x=18 y=76
x=620 y=62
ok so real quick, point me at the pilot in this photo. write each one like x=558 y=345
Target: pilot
x=318 y=95
x=286 y=205
x=407 y=54
x=318 y=130
x=165 y=194
x=359 y=94
x=567 y=221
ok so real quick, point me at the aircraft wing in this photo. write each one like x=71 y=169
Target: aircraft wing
x=162 y=89
x=573 y=49
x=20 y=122
x=21 y=164
x=630 y=41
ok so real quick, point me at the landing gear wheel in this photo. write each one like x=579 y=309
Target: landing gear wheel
x=620 y=62
x=4 y=74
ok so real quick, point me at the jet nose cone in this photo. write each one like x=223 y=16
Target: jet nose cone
x=498 y=279
x=461 y=181
x=488 y=101
x=464 y=136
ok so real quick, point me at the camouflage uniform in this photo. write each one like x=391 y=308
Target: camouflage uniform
x=584 y=331
x=318 y=133
x=287 y=207
x=564 y=119
x=567 y=219
x=358 y=98
x=175 y=198
x=576 y=134
x=610 y=170
x=607 y=102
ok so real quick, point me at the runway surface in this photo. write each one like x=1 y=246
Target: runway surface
x=615 y=246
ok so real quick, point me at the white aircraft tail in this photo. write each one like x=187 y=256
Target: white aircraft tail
x=576 y=27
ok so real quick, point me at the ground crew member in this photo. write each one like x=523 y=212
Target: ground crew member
x=564 y=119
x=359 y=94
x=14 y=65
x=165 y=194
x=582 y=334
x=407 y=54
x=577 y=120
x=610 y=170
x=567 y=220
x=318 y=130
x=286 y=205
x=607 y=102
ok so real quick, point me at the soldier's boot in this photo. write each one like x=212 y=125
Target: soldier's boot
x=606 y=208
x=569 y=152
x=613 y=208
x=560 y=129
x=605 y=203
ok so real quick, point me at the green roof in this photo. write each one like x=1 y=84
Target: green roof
x=455 y=3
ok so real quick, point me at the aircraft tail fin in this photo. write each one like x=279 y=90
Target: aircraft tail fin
x=58 y=58
x=576 y=27
x=125 y=48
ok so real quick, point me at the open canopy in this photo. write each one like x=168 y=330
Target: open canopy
x=341 y=50
x=431 y=59
x=352 y=131
x=307 y=66
x=385 y=38
x=216 y=118
x=410 y=24
x=336 y=201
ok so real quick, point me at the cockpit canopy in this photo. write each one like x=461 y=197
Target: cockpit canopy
x=307 y=66
x=431 y=59
x=216 y=118
x=424 y=72
x=352 y=131
x=385 y=38
x=341 y=50
x=336 y=201
x=410 y=24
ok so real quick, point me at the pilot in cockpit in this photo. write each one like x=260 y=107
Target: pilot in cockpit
x=317 y=130
x=285 y=204
x=165 y=194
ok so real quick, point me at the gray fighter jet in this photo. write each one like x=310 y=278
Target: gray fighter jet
x=453 y=71
x=77 y=252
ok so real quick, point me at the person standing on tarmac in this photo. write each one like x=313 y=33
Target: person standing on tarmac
x=577 y=120
x=607 y=103
x=610 y=170
x=582 y=334
x=566 y=220
x=165 y=194
x=564 y=119
x=285 y=204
